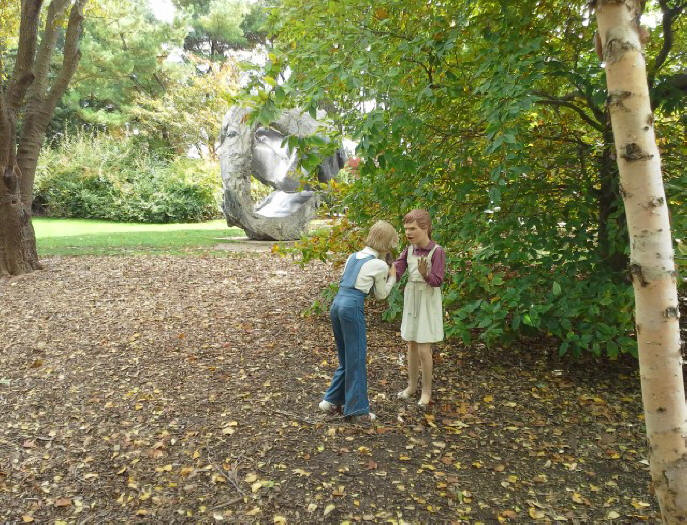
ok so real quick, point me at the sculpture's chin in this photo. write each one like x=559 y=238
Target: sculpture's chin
x=282 y=204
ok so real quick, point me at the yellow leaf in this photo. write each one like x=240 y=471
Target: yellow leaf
x=185 y=471
x=254 y=511
x=577 y=498
x=300 y=472
x=639 y=504
x=488 y=399
x=196 y=454
x=26 y=518
x=256 y=486
x=279 y=519
x=328 y=509
x=250 y=478
x=228 y=430
x=218 y=478
x=312 y=507
x=535 y=514
x=612 y=515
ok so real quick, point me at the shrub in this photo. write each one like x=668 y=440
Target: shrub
x=116 y=178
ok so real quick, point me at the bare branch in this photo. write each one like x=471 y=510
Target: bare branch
x=72 y=54
x=28 y=35
x=565 y=102
x=669 y=16
x=46 y=48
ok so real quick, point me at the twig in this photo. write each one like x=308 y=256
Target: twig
x=294 y=416
x=228 y=503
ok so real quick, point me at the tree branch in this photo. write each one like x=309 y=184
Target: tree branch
x=72 y=54
x=557 y=101
x=28 y=35
x=669 y=16
x=46 y=48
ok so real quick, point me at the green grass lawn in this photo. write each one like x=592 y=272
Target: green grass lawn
x=94 y=237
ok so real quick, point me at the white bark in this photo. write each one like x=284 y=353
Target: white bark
x=651 y=257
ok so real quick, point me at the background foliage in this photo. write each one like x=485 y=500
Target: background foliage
x=104 y=177
x=492 y=116
x=134 y=138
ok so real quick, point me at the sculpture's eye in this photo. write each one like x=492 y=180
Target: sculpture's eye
x=231 y=133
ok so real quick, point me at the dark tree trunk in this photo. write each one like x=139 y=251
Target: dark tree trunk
x=17 y=239
x=609 y=201
x=31 y=80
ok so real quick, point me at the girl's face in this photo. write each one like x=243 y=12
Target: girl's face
x=415 y=234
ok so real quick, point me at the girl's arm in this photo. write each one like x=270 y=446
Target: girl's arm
x=401 y=263
x=383 y=282
x=436 y=273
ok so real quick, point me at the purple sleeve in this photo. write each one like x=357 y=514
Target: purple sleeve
x=436 y=273
x=401 y=263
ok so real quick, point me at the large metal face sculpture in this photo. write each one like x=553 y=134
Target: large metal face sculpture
x=247 y=151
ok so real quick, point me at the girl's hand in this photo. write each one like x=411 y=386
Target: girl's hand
x=423 y=267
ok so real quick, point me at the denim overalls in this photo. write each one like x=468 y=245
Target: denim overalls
x=349 y=384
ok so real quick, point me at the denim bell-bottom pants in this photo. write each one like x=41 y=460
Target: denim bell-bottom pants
x=349 y=384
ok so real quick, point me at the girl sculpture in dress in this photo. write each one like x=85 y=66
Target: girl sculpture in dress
x=422 y=322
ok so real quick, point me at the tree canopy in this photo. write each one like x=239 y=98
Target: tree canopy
x=492 y=116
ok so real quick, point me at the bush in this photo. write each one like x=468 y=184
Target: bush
x=113 y=178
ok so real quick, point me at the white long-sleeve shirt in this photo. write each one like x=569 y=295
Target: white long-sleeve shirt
x=374 y=272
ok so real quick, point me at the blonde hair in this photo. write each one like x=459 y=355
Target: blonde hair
x=422 y=218
x=382 y=237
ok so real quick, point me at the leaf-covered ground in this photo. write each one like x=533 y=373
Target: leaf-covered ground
x=180 y=389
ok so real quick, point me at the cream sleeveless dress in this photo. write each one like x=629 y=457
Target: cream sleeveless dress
x=423 y=320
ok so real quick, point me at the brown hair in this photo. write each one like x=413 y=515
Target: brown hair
x=422 y=218
x=382 y=237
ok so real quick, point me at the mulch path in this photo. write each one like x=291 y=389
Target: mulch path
x=162 y=389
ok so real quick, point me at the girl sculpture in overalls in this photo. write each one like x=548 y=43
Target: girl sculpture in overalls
x=422 y=322
x=364 y=270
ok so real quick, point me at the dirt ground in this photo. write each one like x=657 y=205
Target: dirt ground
x=184 y=390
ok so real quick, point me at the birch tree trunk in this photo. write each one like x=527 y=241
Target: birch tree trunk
x=651 y=256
